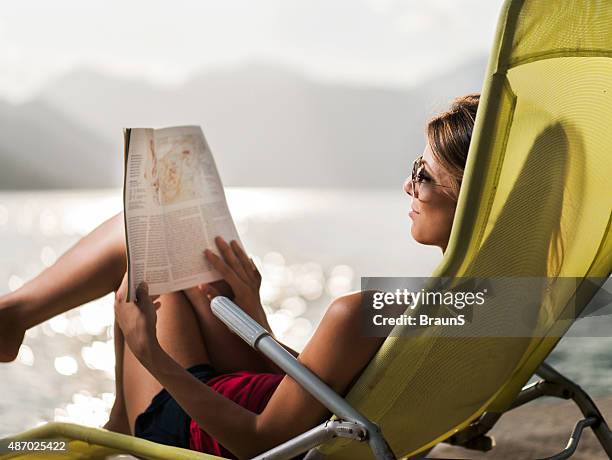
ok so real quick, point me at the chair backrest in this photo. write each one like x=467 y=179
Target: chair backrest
x=536 y=201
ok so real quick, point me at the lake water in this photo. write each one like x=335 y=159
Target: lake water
x=311 y=246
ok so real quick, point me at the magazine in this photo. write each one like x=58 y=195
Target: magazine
x=174 y=207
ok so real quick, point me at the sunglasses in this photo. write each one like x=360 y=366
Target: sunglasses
x=422 y=185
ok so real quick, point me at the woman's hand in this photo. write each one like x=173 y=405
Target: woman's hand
x=240 y=272
x=137 y=320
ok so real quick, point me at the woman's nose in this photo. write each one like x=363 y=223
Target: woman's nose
x=408 y=186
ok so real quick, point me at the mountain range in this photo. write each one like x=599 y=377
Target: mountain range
x=266 y=125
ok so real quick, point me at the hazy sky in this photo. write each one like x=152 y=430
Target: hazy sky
x=388 y=42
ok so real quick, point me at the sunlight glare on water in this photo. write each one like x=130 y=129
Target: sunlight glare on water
x=86 y=409
x=66 y=365
x=25 y=355
x=303 y=242
x=77 y=345
x=100 y=356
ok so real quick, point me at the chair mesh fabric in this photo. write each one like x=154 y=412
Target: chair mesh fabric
x=536 y=201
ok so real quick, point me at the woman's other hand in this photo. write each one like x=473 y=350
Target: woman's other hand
x=137 y=320
x=240 y=272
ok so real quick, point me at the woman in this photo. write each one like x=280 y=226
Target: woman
x=181 y=364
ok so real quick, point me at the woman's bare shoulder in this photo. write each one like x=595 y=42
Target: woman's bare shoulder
x=350 y=309
x=339 y=350
x=347 y=303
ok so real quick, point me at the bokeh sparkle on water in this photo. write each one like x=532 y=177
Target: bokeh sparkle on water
x=310 y=245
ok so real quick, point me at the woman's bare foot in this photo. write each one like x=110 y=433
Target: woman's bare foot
x=12 y=332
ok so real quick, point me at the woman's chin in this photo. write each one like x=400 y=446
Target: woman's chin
x=415 y=233
x=417 y=236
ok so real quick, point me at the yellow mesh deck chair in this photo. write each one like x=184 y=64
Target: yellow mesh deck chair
x=536 y=201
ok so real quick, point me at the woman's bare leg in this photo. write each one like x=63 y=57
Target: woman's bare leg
x=180 y=330
x=93 y=267
x=227 y=351
x=118 y=420
x=180 y=336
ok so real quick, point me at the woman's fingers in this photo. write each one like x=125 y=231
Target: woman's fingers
x=143 y=300
x=248 y=267
x=226 y=272
x=230 y=258
x=255 y=270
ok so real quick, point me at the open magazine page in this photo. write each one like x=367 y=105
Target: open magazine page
x=177 y=210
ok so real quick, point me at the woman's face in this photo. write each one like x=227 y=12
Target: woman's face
x=433 y=211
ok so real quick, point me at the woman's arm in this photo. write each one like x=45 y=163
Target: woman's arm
x=231 y=424
x=336 y=353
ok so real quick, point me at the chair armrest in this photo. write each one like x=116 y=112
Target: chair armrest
x=259 y=338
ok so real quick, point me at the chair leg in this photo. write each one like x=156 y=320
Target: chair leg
x=552 y=384
x=474 y=437
x=572 y=444
x=583 y=401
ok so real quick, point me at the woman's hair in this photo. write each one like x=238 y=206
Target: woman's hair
x=449 y=134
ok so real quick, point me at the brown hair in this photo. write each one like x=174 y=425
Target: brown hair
x=449 y=134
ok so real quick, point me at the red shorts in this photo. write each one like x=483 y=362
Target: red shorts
x=251 y=390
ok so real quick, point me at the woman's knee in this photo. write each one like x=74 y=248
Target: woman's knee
x=178 y=331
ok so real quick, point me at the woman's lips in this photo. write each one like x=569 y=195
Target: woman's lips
x=413 y=213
